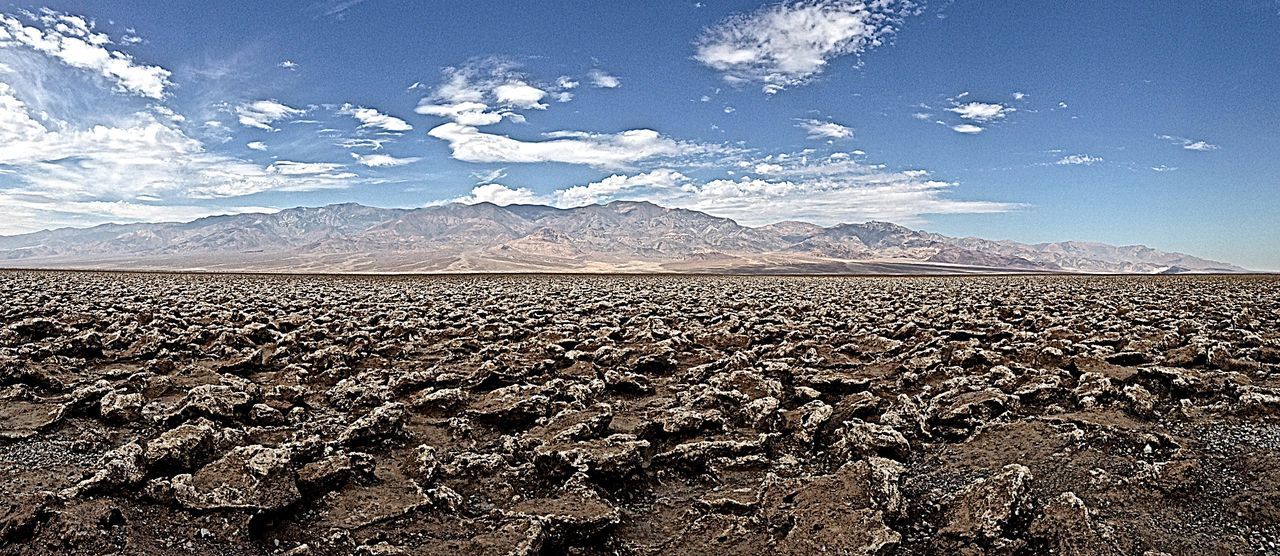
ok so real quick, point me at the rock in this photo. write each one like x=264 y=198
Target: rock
x=992 y=509
x=381 y=549
x=382 y=422
x=700 y=452
x=263 y=414
x=333 y=471
x=121 y=407
x=442 y=399
x=833 y=514
x=957 y=412
x=858 y=438
x=121 y=467
x=812 y=417
x=615 y=455
x=183 y=447
x=577 y=513
x=627 y=383
x=514 y=405
x=215 y=401
x=248 y=477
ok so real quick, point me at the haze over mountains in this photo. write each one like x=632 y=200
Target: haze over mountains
x=623 y=236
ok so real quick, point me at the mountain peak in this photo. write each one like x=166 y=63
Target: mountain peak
x=621 y=235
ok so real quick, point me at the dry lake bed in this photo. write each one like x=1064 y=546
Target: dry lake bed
x=240 y=414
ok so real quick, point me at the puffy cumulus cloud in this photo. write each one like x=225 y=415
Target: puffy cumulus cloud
x=371 y=118
x=257 y=145
x=982 y=111
x=486 y=90
x=464 y=113
x=72 y=40
x=790 y=43
x=615 y=150
x=65 y=165
x=1189 y=144
x=262 y=113
x=967 y=129
x=520 y=95
x=382 y=160
x=1078 y=160
x=818 y=129
x=615 y=185
x=601 y=79
x=500 y=195
x=72 y=153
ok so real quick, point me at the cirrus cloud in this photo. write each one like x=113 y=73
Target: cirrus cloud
x=790 y=43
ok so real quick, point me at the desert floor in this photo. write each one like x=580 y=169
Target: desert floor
x=240 y=414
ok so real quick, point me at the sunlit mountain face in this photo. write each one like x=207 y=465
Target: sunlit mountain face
x=621 y=236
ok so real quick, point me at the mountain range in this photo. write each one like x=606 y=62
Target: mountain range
x=622 y=236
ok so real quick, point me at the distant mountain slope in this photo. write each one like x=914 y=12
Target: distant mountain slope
x=622 y=236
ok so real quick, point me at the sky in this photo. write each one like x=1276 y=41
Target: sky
x=1120 y=122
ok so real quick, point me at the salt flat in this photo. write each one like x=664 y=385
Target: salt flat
x=509 y=414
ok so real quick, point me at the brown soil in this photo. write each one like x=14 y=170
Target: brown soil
x=236 y=414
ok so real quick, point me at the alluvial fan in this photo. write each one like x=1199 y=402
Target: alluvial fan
x=239 y=414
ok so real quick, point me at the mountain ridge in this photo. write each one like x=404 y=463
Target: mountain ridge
x=622 y=236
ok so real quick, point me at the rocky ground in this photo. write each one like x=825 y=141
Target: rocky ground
x=206 y=414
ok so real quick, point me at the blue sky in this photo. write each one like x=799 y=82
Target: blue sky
x=1121 y=122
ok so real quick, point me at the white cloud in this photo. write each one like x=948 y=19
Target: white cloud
x=26 y=214
x=370 y=117
x=595 y=149
x=382 y=160
x=520 y=95
x=1019 y=95
x=289 y=65
x=924 y=116
x=968 y=129
x=500 y=195
x=611 y=187
x=262 y=113
x=1163 y=168
x=490 y=176
x=291 y=168
x=982 y=111
x=72 y=41
x=486 y=90
x=1189 y=144
x=464 y=113
x=1078 y=160
x=257 y=145
x=72 y=153
x=818 y=129
x=825 y=190
x=790 y=43
x=603 y=80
